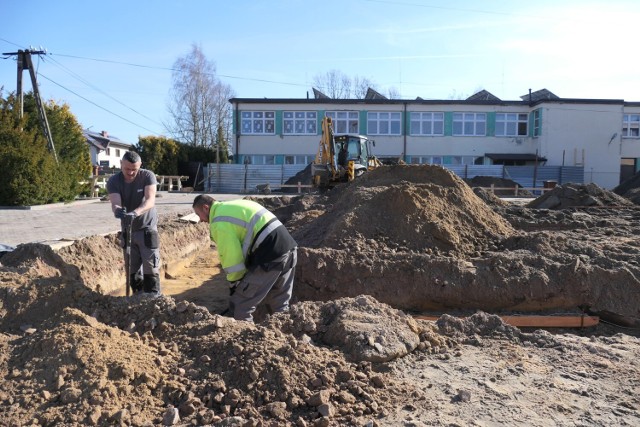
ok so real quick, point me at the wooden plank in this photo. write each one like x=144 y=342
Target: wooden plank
x=533 y=321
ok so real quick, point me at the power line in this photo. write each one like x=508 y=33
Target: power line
x=72 y=73
x=178 y=70
x=102 y=108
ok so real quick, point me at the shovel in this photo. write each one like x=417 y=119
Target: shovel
x=127 y=225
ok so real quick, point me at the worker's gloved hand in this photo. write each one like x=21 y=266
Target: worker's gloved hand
x=130 y=215
x=120 y=213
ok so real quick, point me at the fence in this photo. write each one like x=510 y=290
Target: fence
x=234 y=178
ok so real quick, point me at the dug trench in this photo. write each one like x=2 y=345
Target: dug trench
x=401 y=240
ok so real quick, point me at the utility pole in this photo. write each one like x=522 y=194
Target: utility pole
x=25 y=63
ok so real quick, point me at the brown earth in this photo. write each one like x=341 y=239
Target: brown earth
x=403 y=239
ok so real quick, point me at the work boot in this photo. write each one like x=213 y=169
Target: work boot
x=152 y=283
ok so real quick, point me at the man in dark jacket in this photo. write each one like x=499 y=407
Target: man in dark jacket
x=256 y=252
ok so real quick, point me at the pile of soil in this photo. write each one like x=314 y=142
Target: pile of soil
x=405 y=207
x=570 y=195
x=630 y=189
x=302 y=177
x=504 y=187
x=348 y=353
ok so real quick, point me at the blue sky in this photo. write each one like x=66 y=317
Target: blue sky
x=111 y=60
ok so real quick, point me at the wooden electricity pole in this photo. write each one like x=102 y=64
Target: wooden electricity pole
x=25 y=63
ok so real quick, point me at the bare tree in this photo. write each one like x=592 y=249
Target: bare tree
x=394 y=93
x=337 y=85
x=360 y=86
x=334 y=84
x=198 y=101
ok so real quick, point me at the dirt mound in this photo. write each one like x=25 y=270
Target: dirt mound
x=489 y=197
x=633 y=195
x=302 y=177
x=630 y=189
x=628 y=184
x=504 y=187
x=362 y=328
x=102 y=360
x=570 y=195
x=414 y=208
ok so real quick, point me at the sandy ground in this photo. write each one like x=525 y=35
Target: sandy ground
x=74 y=351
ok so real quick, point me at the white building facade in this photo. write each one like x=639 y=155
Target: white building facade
x=105 y=150
x=600 y=135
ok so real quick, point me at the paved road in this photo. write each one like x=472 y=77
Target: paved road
x=71 y=221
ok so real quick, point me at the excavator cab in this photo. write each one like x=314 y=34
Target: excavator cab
x=352 y=148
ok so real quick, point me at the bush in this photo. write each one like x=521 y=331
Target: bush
x=31 y=175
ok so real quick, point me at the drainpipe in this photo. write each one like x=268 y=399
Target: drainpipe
x=404 y=133
x=237 y=131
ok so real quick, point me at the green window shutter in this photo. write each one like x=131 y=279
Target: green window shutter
x=448 y=123
x=363 y=122
x=530 y=132
x=491 y=123
x=320 y=117
x=540 y=127
x=278 y=122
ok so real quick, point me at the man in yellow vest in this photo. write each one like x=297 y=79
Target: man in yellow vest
x=256 y=251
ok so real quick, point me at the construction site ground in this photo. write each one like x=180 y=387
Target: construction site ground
x=398 y=242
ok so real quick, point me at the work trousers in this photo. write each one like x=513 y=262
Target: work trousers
x=144 y=270
x=271 y=283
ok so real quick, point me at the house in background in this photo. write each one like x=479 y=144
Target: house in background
x=106 y=151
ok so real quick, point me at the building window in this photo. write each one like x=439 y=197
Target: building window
x=631 y=125
x=298 y=160
x=444 y=160
x=107 y=151
x=300 y=123
x=344 y=121
x=427 y=123
x=536 y=123
x=453 y=160
x=258 y=122
x=117 y=152
x=511 y=124
x=261 y=159
x=420 y=160
x=383 y=123
x=469 y=124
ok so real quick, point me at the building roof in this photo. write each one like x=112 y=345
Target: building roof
x=372 y=94
x=102 y=140
x=539 y=95
x=319 y=95
x=483 y=95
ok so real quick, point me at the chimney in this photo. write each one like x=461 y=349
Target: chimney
x=105 y=134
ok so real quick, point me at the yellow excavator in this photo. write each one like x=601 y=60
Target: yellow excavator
x=341 y=158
